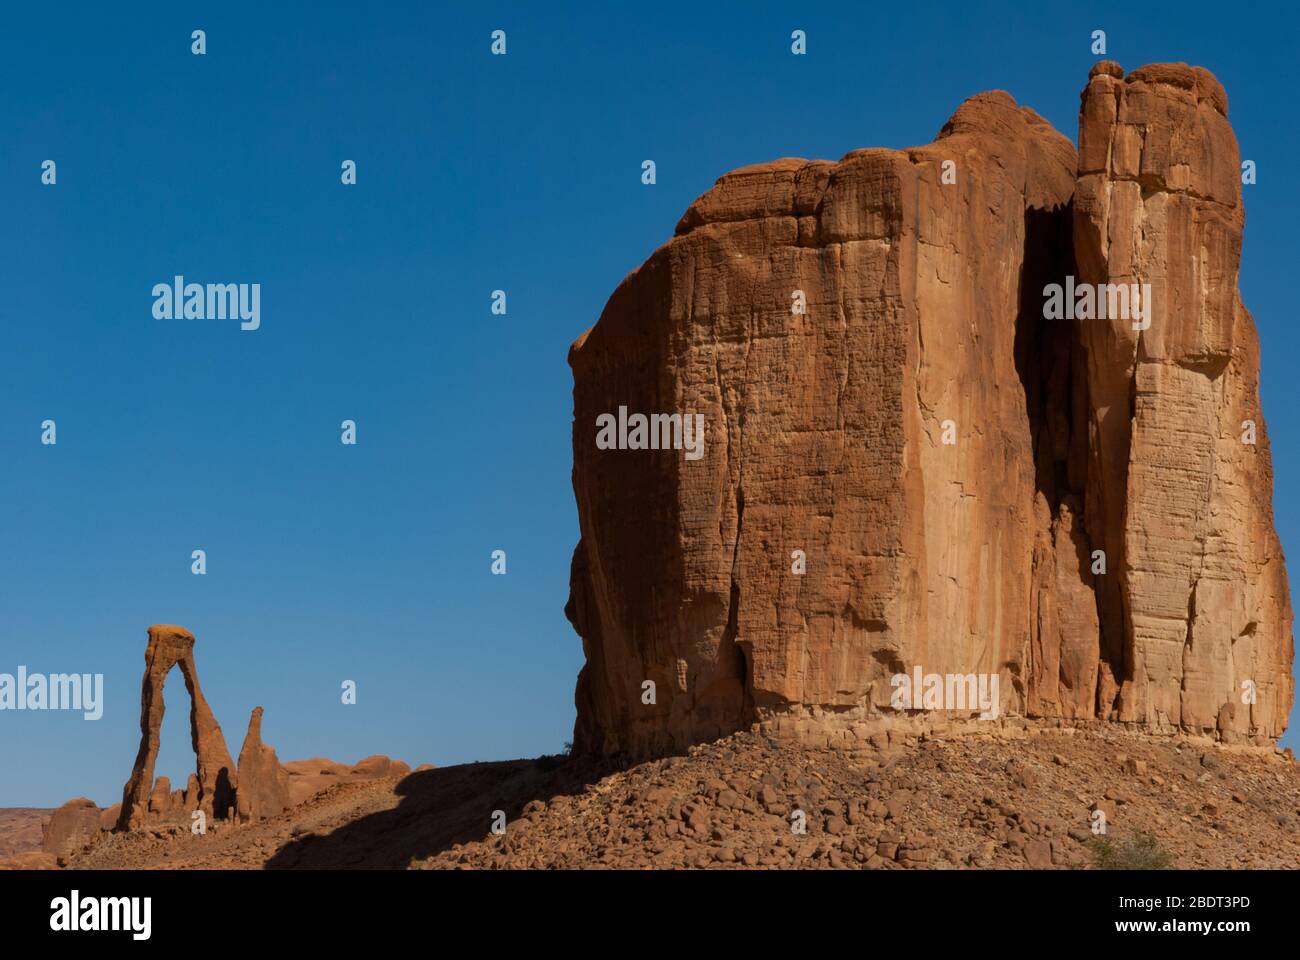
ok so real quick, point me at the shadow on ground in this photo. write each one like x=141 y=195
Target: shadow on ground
x=440 y=808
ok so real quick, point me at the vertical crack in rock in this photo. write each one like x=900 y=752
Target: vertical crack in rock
x=732 y=664
x=1066 y=645
x=731 y=643
x=951 y=462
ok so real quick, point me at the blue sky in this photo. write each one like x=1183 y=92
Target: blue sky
x=475 y=173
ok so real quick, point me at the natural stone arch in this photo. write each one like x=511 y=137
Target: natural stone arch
x=170 y=645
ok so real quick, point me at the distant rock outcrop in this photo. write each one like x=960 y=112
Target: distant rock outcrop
x=169 y=646
x=160 y=800
x=258 y=788
x=70 y=826
x=309 y=777
x=911 y=463
x=263 y=784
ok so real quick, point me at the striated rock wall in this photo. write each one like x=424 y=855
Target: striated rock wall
x=916 y=469
x=1202 y=603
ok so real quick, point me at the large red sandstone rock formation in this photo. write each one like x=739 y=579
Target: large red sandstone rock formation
x=260 y=787
x=825 y=433
x=169 y=646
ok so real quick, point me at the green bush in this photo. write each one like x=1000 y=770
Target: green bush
x=1141 y=851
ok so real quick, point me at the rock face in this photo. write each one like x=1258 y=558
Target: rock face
x=1202 y=603
x=909 y=462
x=169 y=646
x=263 y=783
x=70 y=826
x=108 y=817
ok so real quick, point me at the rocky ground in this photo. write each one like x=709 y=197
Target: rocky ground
x=941 y=803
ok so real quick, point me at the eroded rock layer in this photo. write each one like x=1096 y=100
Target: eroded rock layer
x=907 y=464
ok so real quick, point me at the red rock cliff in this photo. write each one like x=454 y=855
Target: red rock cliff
x=906 y=463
